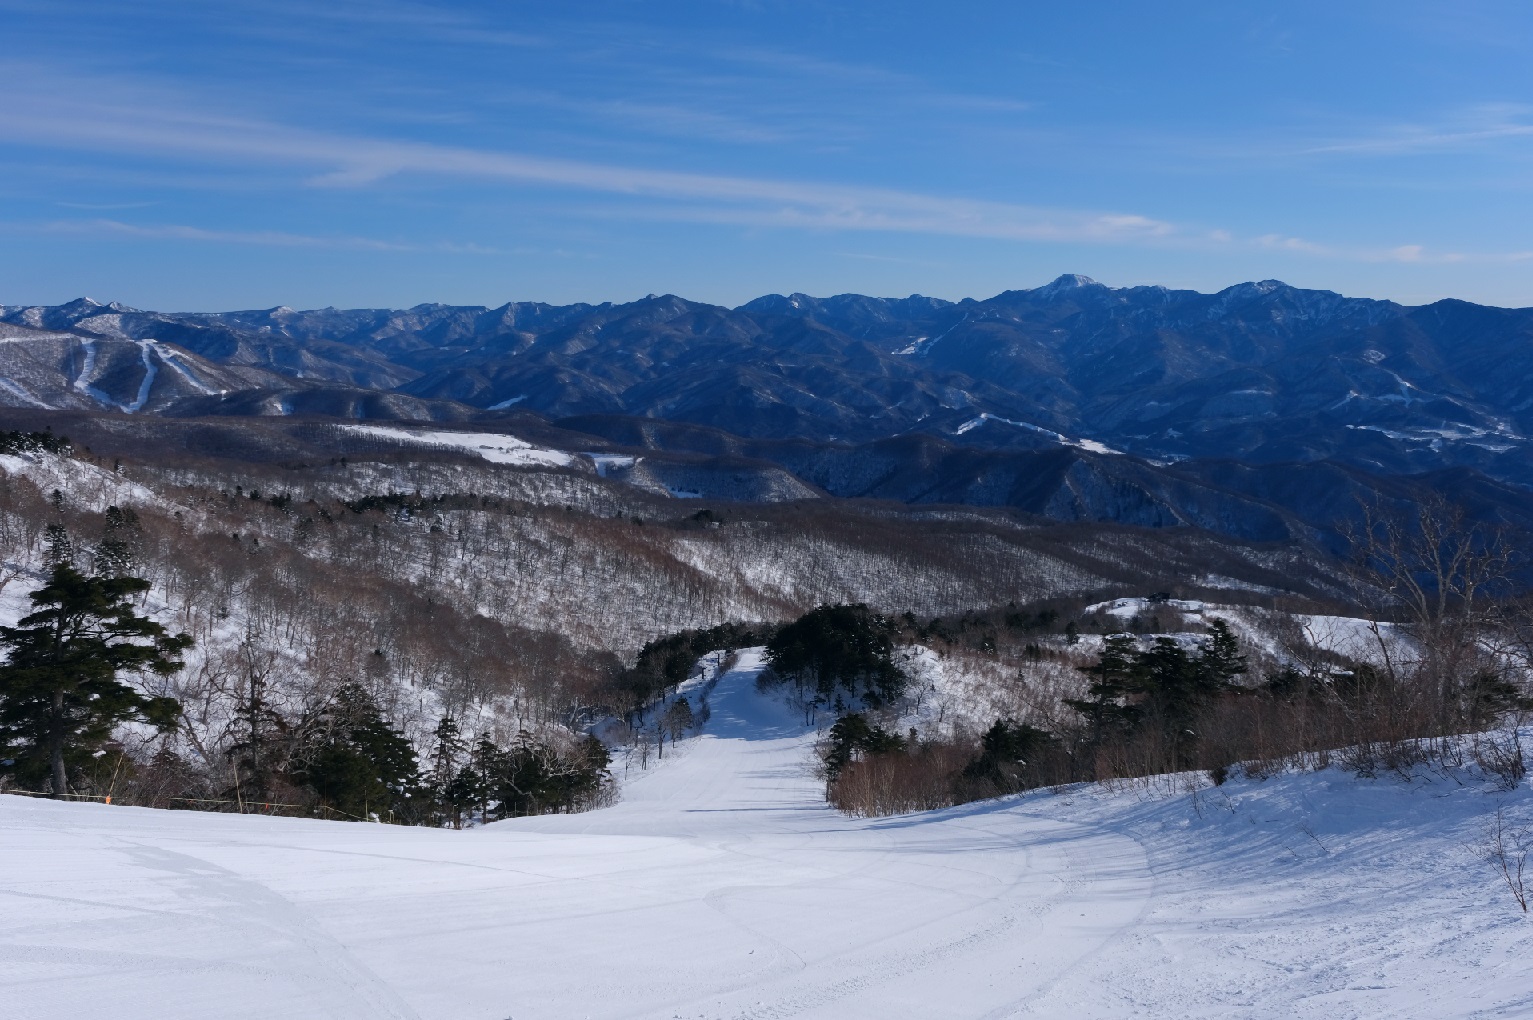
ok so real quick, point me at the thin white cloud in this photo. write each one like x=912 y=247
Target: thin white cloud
x=671 y=119
x=1471 y=128
x=103 y=206
x=1278 y=242
x=348 y=162
x=271 y=238
x=150 y=124
x=952 y=218
x=819 y=72
x=1413 y=254
x=867 y=257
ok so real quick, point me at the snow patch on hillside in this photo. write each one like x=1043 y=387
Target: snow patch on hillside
x=1089 y=445
x=83 y=484
x=492 y=446
x=1357 y=639
x=513 y=401
x=606 y=462
x=1135 y=606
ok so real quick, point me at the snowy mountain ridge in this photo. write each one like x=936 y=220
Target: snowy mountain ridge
x=1260 y=372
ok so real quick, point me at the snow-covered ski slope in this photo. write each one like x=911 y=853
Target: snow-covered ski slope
x=721 y=887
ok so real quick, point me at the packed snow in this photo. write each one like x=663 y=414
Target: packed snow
x=606 y=462
x=173 y=361
x=145 y=347
x=1136 y=606
x=722 y=886
x=1089 y=445
x=492 y=446
x=88 y=373
x=511 y=402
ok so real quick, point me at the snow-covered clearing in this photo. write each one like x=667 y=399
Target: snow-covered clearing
x=1356 y=638
x=1136 y=606
x=492 y=446
x=723 y=887
x=606 y=462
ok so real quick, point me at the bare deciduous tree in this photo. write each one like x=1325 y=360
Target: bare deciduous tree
x=1506 y=847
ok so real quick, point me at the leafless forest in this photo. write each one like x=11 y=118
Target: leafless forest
x=513 y=599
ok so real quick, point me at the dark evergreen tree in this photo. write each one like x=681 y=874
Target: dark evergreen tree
x=33 y=442
x=121 y=543
x=354 y=760
x=1221 y=661
x=853 y=737
x=1179 y=687
x=845 y=647
x=61 y=548
x=262 y=736
x=1008 y=753
x=1113 y=681
x=534 y=778
x=477 y=781
x=1164 y=687
x=679 y=718
x=1171 y=683
x=445 y=765
x=447 y=752
x=60 y=696
x=1288 y=683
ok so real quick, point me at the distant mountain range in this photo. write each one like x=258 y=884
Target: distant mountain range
x=1248 y=383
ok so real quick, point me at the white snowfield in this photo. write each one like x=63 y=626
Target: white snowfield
x=722 y=887
x=492 y=446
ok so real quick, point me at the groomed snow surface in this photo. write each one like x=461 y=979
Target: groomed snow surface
x=722 y=887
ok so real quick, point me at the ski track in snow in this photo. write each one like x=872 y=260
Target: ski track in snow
x=1089 y=445
x=16 y=389
x=145 y=351
x=87 y=371
x=186 y=373
x=83 y=381
x=723 y=887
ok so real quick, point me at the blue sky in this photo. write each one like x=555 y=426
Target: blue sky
x=208 y=155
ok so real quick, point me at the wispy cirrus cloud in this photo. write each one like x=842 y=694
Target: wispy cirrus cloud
x=1475 y=127
x=148 y=125
x=903 y=213
x=265 y=238
x=677 y=120
x=341 y=161
x=103 y=206
x=1418 y=254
